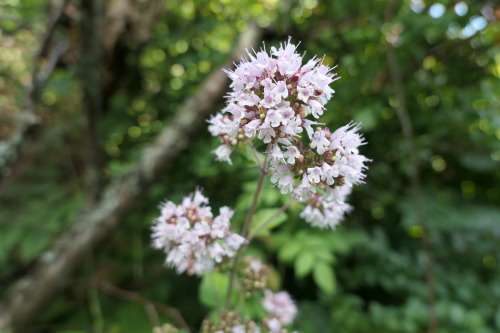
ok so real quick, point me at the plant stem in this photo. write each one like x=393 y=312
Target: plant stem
x=255 y=154
x=246 y=224
x=252 y=208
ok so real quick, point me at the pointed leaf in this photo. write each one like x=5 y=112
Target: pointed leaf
x=304 y=264
x=324 y=277
x=213 y=289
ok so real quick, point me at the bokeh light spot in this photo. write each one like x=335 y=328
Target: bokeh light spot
x=468 y=189
x=438 y=163
x=416 y=231
x=437 y=10
x=489 y=261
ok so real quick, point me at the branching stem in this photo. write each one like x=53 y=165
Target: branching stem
x=246 y=224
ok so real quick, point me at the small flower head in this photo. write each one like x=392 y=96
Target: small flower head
x=322 y=213
x=255 y=276
x=192 y=238
x=321 y=174
x=230 y=322
x=279 y=306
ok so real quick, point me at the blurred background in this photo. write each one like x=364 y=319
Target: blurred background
x=87 y=86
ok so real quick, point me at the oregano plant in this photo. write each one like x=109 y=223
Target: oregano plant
x=273 y=112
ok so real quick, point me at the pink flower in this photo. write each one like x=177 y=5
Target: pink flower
x=271 y=99
x=271 y=96
x=192 y=238
x=280 y=306
x=329 y=210
x=291 y=154
x=320 y=142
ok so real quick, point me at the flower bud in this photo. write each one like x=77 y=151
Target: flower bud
x=302 y=112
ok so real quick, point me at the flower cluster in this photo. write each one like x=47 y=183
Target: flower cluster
x=331 y=160
x=271 y=97
x=327 y=214
x=193 y=239
x=331 y=165
x=279 y=306
x=230 y=322
x=255 y=276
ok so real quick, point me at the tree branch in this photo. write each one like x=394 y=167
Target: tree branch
x=137 y=298
x=28 y=119
x=415 y=183
x=90 y=79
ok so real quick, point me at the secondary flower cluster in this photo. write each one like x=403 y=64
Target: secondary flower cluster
x=332 y=165
x=271 y=98
x=230 y=322
x=255 y=276
x=280 y=309
x=193 y=239
x=327 y=213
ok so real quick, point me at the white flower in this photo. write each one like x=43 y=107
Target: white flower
x=274 y=325
x=255 y=265
x=276 y=153
x=286 y=183
x=291 y=154
x=281 y=89
x=269 y=101
x=327 y=211
x=251 y=128
x=329 y=173
x=303 y=190
x=266 y=133
x=273 y=118
x=314 y=174
x=304 y=93
x=320 y=142
x=279 y=306
x=223 y=152
x=316 y=108
x=238 y=329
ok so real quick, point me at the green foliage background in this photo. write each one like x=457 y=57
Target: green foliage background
x=367 y=276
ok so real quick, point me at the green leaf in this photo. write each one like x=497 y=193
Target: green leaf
x=253 y=307
x=213 y=289
x=263 y=221
x=289 y=251
x=324 y=277
x=325 y=256
x=304 y=264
